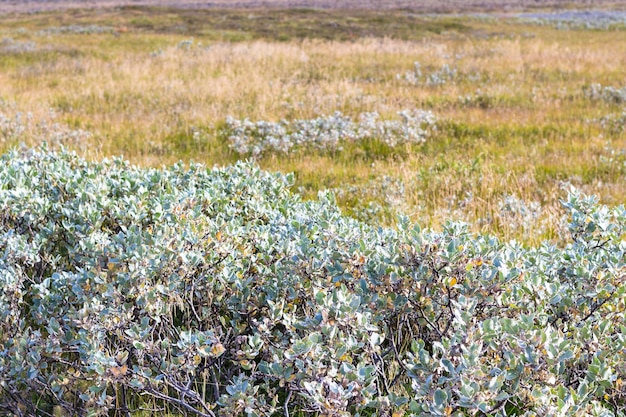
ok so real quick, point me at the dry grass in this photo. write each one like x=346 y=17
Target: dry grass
x=427 y=6
x=515 y=122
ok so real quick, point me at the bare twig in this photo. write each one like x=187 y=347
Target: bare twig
x=179 y=403
x=286 y=406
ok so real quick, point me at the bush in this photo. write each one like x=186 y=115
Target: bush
x=608 y=94
x=219 y=292
x=328 y=133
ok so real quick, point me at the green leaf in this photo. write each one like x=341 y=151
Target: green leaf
x=440 y=397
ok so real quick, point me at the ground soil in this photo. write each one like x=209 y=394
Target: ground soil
x=422 y=6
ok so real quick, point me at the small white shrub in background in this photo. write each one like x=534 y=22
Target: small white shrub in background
x=16 y=126
x=76 y=29
x=9 y=45
x=326 y=132
x=608 y=94
x=446 y=74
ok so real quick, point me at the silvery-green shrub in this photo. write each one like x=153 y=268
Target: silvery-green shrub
x=326 y=132
x=219 y=292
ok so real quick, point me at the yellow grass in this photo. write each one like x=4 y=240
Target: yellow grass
x=142 y=96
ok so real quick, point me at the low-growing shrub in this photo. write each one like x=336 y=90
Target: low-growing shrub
x=326 y=132
x=13 y=126
x=614 y=123
x=16 y=127
x=444 y=75
x=577 y=19
x=218 y=292
x=11 y=46
x=76 y=29
x=608 y=94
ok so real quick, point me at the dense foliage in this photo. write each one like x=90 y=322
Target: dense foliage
x=219 y=292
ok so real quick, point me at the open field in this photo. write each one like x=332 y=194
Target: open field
x=516 y=119
x=423 y=6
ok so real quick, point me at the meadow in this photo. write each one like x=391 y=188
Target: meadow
x=428 y=246
x=516 y=122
